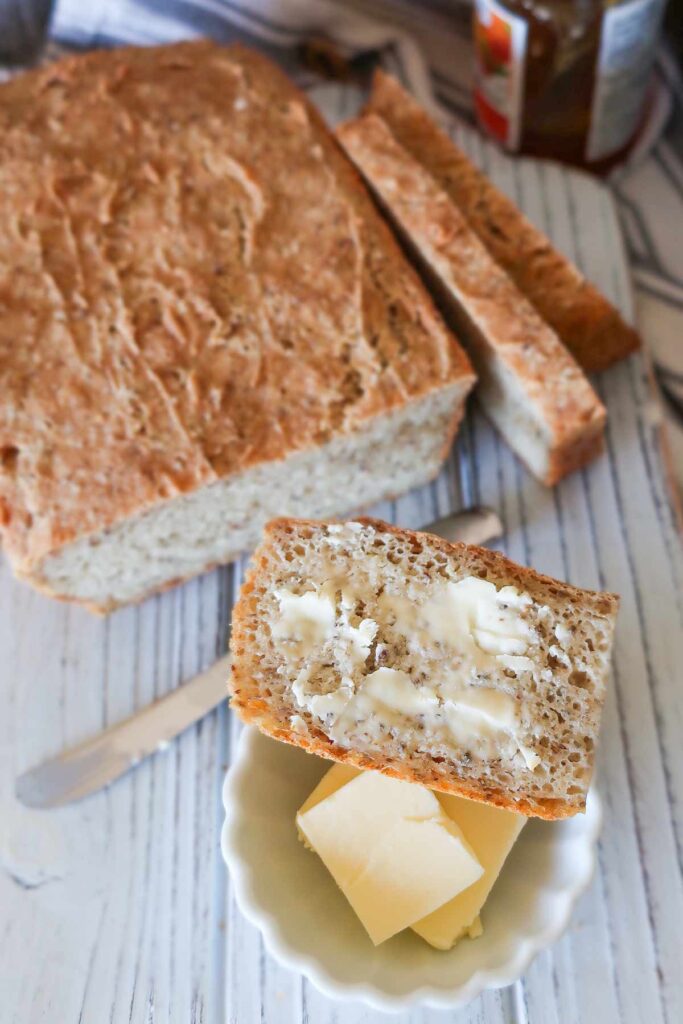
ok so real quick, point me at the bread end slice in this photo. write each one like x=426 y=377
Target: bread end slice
x=529 y=385
x=589 y=325
x=437 y=663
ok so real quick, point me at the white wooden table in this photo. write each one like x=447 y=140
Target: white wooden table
x=119 y=909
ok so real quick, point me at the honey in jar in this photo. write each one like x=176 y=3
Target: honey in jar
x=566 y=79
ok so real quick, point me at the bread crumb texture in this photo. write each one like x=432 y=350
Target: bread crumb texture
x=440 y=663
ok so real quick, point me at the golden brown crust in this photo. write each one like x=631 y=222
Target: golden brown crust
x=490 y=306
x=252 y=708
x=574 y=456
x=589 y=325
x=322 y=746
x=195 y=282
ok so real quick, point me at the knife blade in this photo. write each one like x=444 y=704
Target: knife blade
x=98 y=761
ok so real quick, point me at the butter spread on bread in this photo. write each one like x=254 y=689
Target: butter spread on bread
x=495 y=694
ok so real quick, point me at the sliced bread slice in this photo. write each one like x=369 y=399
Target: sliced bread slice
x=529 y=385
x=433 y=662
x=590 y=326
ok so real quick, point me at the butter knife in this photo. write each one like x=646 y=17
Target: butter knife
x=91 y=765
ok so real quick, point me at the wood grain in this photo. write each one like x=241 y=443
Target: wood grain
x=119 y=909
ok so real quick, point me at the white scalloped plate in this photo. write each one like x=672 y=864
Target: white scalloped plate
x=308 y=926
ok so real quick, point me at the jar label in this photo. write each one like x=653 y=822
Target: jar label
x=500 y=40
x=627 y=46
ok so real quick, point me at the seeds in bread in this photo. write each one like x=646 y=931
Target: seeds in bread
x=352 y=641
x=590 y=326
x=204 y=322
x=528 y=383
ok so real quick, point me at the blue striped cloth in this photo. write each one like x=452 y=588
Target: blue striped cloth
x=404 y=32
x=428 y=43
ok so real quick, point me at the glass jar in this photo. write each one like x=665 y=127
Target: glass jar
x=566 y=79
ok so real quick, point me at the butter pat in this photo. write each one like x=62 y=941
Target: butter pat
x=331 y=781
x=305 y=618
x=390 y=847
x=491 y=833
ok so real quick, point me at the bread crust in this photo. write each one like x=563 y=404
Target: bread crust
x=196 y=283
x=574 y=456
x=500 y=321
x=590 y=326
x=322 y=746
x=253 y=709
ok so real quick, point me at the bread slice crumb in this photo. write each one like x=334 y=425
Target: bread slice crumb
x=438 y=663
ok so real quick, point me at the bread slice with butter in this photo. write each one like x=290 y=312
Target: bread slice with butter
x=433 y=662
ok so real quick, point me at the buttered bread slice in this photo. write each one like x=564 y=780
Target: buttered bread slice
x=438 y=663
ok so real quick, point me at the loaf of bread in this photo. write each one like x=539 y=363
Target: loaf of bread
x=590 y=327
x=433 y=662
x=204 y=322
x=528 y=383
